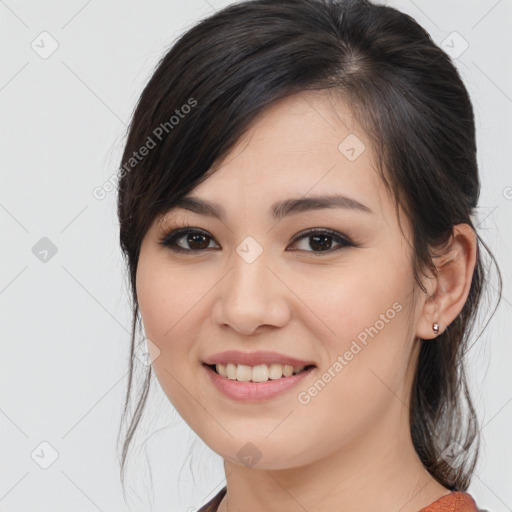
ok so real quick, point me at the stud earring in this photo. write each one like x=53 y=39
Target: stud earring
x=435 y=328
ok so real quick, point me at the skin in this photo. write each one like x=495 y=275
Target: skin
x=350 y=447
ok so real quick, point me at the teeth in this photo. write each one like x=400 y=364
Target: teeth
x=259 y=373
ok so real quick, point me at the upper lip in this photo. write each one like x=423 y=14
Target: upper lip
x=255 y=358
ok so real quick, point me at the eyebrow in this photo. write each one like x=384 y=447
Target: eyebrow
x=280 y=209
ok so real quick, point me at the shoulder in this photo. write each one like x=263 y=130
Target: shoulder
x=456 y=501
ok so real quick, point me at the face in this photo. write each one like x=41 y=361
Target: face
x=329 y=286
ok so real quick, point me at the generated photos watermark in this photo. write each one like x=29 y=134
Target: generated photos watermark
x=157 y=135
x=305 y=397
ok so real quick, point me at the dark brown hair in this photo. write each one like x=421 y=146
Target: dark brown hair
x=408 y=96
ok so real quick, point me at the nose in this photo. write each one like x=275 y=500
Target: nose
x=250 y=297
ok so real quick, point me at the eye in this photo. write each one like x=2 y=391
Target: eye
x=321 y=239
x=196 y=240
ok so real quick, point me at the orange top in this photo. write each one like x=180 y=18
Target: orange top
x=456 y=501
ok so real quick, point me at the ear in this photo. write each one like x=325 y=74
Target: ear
x=449 y=289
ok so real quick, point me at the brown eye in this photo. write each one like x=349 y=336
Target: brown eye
x=322 y=241
x=187 y=240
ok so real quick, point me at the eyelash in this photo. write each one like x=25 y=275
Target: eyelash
x=169 y=240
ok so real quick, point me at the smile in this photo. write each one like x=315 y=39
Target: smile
x=258 y=373
x=249 y=390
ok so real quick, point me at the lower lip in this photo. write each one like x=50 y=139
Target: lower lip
x=255 y=391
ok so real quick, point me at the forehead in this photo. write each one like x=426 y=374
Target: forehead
x=305 y=144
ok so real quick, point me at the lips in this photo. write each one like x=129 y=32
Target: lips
x=255 y=358
x=255 y=392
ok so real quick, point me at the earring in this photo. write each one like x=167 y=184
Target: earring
x=435 y=328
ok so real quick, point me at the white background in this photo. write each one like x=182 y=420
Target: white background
x=65 y=322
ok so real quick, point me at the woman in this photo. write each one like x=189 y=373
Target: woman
x=295 y=207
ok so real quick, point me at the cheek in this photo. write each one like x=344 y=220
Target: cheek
x=364 y=299
x=171 y=306
x=162 y=304
x=366 y=360
x=363 y=315
x=167 y=296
